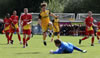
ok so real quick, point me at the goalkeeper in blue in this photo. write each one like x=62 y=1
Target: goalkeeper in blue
x=64 y=47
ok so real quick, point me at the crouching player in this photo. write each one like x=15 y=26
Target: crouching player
x=7 y=27
x=64 y=47
x=14 y=18
x=55 y=28
x=26 y=20
x=98 y=31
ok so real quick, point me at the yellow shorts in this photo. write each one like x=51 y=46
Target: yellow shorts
x=46 y=26
x=56 y=29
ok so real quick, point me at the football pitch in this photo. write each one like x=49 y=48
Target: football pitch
x=36 y=49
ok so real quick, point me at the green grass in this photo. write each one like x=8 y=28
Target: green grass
x=36 y=49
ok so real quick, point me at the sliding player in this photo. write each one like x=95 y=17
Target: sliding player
x=55 y=28
x=89 y=28
x=14 y=18
x=98 y=31
x=7 y=27
x=64 y=47
x=44 y=21
x=26 y=20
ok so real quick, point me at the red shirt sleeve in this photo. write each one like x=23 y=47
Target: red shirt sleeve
x=30 y=16
x=22 y=17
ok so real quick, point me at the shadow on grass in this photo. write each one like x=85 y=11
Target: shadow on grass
x=29 y=53
x=3 y=44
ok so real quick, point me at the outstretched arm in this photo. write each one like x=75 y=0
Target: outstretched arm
x=58 y=51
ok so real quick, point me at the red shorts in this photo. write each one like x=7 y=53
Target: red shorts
x=90 y=32
x=98 y=33
x=13 y=30
x=28 y=32
x=7 y=31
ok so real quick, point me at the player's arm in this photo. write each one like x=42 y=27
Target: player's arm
x=94 y=25
x=58 y=51
x=12 y=24
x=39 y=20
x=30 y=20
x=53 y=15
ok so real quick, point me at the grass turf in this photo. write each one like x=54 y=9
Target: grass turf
x=36 y=49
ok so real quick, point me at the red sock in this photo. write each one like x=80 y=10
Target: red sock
x=11 y=36
x=19 y=37
x=84 y=38
x=24 y=41
x=28 y=39
x=98 y=37
x=92 y=40
x=8 y=38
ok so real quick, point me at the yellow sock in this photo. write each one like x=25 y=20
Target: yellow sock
x=58 y=36
x=52 y=35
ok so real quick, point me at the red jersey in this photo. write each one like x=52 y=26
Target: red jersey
x=25 y=18
x=98 y=24
x=15 y=20
x=89 y=21
x=7 y=23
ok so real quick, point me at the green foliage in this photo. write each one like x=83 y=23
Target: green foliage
x=57 y=5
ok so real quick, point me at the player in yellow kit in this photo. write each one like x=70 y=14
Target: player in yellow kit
x=56 y=28
x=44 y=21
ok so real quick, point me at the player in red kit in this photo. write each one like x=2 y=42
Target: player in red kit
x=26 y=20
x=7 y=27
x=15 y=20
x=89 y=28
x=98 y=31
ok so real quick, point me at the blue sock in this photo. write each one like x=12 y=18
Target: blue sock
x=78 y=49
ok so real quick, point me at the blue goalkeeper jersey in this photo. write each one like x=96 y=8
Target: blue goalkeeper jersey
x=64 y=48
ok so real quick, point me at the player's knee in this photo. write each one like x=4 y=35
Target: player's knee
x=44 y=33
x=24 y=36
x=29 y=36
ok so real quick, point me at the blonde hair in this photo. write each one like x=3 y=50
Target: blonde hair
x=43 y=4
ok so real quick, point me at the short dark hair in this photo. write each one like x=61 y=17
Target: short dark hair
x=7 y=15
x=57 y=41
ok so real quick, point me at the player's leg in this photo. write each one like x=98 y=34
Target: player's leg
x=98 y=36
x=80 y=40
x=84 y=38
x=24 y=40
x=44 y=38
x=11 y=41
x=78 y=49
x=19 y=38
x=52 y=36
x=50 y=26
x=7 y=36
x=92 y=40
x=28 y=38
x=58 y=35
x=44 y=30
x=11 y=35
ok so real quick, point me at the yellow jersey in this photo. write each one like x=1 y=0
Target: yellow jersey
x=44 y=16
